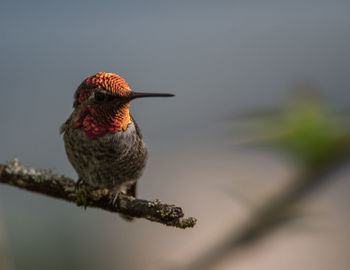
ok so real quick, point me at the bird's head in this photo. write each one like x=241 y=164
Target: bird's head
x=103 y=101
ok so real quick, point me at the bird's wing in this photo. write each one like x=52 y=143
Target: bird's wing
x=138 y=130
x=63 y=127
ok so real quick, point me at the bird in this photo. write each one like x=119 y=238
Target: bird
x=103 y=142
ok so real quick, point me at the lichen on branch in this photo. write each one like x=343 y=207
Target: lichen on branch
x=48 y=183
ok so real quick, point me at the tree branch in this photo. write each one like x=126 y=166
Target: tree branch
x=60 y=187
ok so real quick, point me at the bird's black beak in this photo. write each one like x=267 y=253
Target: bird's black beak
x=142 y=95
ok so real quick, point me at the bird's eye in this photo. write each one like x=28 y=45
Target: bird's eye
x=99 y=96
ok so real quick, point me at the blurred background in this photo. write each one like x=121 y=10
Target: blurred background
x=225 y=61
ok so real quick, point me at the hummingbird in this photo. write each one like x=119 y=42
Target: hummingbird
x=102 y=140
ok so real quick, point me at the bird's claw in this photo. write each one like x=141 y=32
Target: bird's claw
x=78 y=184
x=114 y=199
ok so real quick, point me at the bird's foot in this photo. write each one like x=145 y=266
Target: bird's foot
x=113 y=203
x=114 y=199
x=79 y=184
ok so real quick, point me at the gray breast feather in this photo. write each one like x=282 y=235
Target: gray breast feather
x=107 y=161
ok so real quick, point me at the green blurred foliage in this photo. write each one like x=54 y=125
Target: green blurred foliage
x=310 y=131
x=305 y=129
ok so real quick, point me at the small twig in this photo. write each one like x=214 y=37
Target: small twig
x=60 y=187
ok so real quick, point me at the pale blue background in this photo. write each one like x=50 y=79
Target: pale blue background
x=218 y=57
